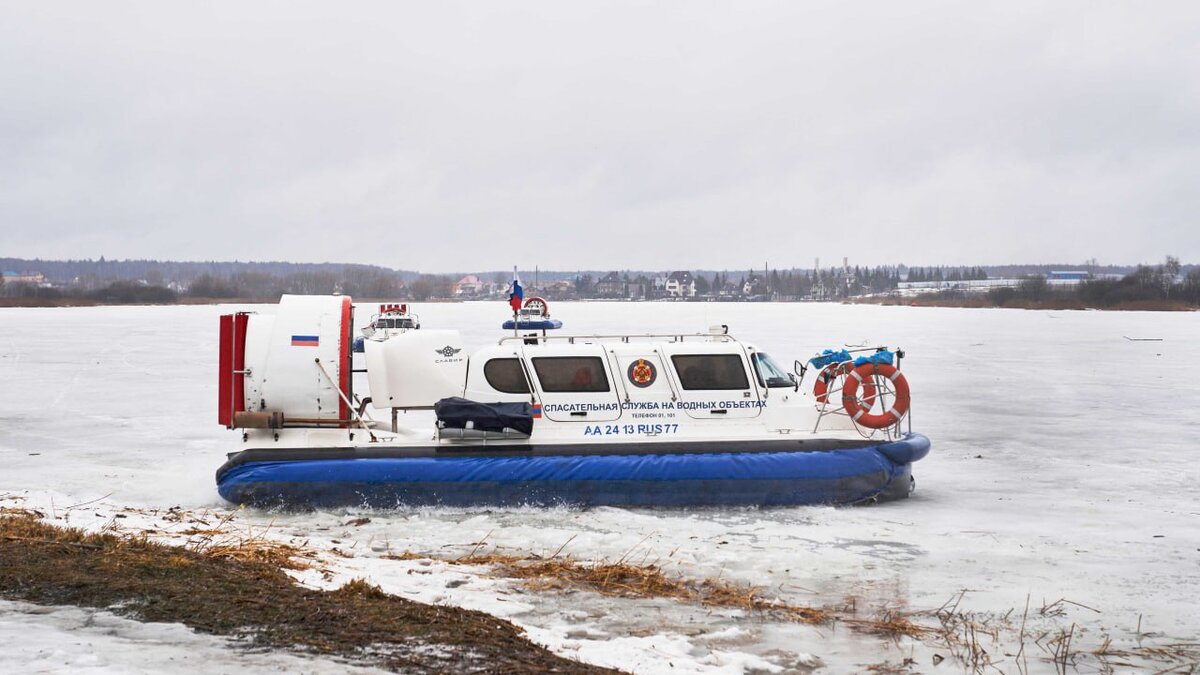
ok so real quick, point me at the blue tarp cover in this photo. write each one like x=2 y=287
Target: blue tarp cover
x=830 y=356
x=882 y=356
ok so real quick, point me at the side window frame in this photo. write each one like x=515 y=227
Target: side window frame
x=519 y=370
x=683 y=379
x=599 y=368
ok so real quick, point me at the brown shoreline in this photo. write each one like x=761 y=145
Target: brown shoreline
x=254 y=602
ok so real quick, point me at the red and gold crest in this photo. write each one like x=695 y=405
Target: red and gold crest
x=642 y=373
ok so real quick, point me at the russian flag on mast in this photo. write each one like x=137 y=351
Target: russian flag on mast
x=517 y=295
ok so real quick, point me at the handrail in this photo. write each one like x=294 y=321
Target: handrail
x=625 y=337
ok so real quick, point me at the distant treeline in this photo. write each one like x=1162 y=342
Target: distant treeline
x=792 y=284
x=160 y=272
x=154 y=281
x=114 y=293
x=946 y=274
x=352 y=281
x=1018 y=271
x=96 y=272
x=1147 y=286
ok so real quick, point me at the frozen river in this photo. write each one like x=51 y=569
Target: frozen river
x=1064 y=467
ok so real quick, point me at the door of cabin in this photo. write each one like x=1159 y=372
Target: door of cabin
x=715 y=381
x=573 y=382
x=649 y=394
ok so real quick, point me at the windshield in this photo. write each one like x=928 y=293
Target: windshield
x=769 y=372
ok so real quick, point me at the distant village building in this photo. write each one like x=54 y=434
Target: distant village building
x=754 y=285
x=617 y=285
x=1076 y=275
x=560 y=289
x=680 y=285
x=1053 y=278
x=1067 y=277
x=611 y=286
x=469 y=285
x=35 y=278
x=967 y=285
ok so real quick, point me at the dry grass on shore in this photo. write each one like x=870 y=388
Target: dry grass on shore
x=977 y=642
x=649 y=581
x=227 y=579
x=246 y=596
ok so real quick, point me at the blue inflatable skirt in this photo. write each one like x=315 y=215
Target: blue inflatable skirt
x=763 y=478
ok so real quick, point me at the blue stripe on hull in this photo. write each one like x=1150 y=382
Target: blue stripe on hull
x=540 y=324
x=765 y=478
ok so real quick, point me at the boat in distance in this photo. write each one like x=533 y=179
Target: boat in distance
x=533 y=315
x=534 y=418
x=392 y=319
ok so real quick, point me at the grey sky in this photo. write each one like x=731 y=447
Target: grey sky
x=442 y=136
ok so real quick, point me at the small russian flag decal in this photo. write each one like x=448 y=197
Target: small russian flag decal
x=306 y=341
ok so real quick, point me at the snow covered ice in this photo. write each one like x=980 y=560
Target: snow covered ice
x=1063 y=468
x=77 y=641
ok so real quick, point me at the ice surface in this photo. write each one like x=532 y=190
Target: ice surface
x=79 y=641
x=1063 y=467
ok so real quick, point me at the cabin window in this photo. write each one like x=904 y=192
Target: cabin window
x=506 y=375
x=561 y=374
x=770 y=374
x=711 y=371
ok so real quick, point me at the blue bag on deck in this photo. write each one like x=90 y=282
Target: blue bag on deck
x=882 y=356
x=829 y=356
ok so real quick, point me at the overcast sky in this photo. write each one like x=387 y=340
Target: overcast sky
x=442 y=137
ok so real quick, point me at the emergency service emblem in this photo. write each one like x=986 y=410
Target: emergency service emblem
x=447 y=351
x=642 y=373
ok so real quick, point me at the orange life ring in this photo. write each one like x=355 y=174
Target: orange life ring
x=860 y=413
x=538 y=301
x=833 y=371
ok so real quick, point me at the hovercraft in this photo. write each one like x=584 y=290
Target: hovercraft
x=685 y=419
x=392 y=319
x=533 y=315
